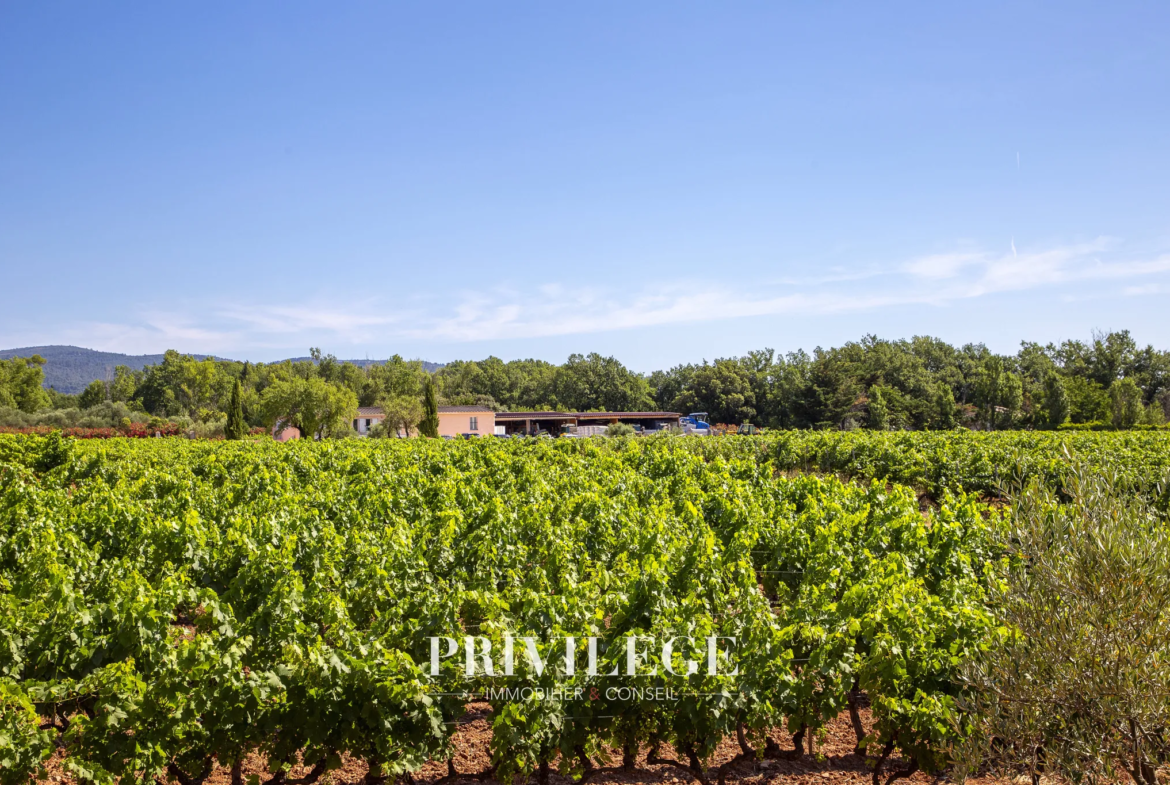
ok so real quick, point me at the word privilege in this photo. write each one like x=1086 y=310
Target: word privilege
x=478 y=659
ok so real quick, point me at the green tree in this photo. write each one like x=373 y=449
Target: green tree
x=58 y=400
x=402 y=414
x=93 y=395
x=21 y=383
x=998 y=394
x=877 y=414
x=235 y=429
x=328 y=368
x=1126 y=400
x=723 y=389
x=944 y=408
x=180 y=384
x=1112 y=356
x=596 y=383
x=619 y=429
x=313 y=406
x=429 y=425
x=907 y=372
x=125 y=384
x=1056 y=402
x=1088 y=401
x=667 y=386
x=396 y=376
x=517 y=385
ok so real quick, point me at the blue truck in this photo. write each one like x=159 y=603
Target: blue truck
x=695 y=424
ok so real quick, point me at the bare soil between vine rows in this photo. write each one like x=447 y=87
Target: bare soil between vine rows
x=834 y=763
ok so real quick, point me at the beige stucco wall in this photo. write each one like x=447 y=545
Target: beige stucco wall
x=450 y=423
x=361 y=422
x=458 y=423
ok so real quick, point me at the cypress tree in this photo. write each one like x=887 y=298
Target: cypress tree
x=235 y=428
x=429 y=427
x=879 y=414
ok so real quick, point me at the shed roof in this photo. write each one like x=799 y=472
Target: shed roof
x=586 y=415
x=630 y=415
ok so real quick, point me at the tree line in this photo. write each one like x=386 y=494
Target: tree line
x=925 y=383
x=917 y=384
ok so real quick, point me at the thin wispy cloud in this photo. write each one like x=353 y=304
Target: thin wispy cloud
x=931 y=280
x=356 y=318
x=505 y=313
x=1147 y=289
x=942 y=266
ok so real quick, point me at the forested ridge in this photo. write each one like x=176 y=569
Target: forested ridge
x=918 y=384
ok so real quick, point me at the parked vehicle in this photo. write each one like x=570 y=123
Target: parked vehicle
x=695 y=424
x=591 y=430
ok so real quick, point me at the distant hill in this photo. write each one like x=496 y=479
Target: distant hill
x=69 y=369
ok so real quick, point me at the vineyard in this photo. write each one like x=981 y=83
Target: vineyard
x=173 y=608
x=934 y=462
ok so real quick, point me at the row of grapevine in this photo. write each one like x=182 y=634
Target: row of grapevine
x=169 y=607
x=987 y=463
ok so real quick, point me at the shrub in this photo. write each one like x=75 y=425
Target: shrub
x=208 y=430
x=1085 y=426
x=1077 y=683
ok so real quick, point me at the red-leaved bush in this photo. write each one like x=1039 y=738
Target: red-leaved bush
x=138 y=430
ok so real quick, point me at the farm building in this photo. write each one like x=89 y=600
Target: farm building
x=482 y=421
x=556 y=422
x=453 y=420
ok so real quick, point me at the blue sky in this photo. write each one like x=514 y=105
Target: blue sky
x=659 y=181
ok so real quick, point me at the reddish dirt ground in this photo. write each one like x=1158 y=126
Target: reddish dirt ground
x=835 y=763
